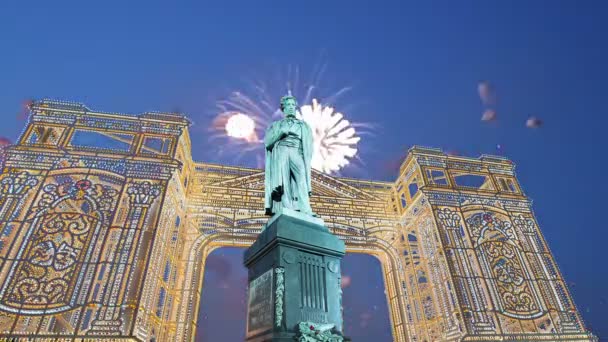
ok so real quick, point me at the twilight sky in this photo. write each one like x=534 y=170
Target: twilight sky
x=414 y=68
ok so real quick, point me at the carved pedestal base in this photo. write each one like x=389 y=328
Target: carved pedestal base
x=294 y=282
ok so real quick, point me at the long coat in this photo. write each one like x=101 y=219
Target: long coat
x=273 y=178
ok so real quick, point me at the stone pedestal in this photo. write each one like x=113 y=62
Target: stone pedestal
x=294 y=281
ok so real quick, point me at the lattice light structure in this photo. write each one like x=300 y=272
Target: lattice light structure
x=109 y=240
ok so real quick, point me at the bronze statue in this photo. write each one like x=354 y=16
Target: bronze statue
x=289 y=148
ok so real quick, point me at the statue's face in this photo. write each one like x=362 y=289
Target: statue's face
x=289 y=107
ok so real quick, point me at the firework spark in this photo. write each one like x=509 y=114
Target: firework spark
x=243 y=117
x=334 y=139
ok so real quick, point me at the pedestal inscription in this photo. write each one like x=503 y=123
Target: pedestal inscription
x=260 y=304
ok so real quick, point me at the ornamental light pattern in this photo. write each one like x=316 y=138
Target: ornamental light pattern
x=106 y=224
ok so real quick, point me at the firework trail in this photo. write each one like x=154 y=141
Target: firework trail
x=244 y=115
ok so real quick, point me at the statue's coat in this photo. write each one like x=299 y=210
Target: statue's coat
x=273 y=176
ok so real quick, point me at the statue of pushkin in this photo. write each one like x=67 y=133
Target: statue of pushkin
x=289 y=148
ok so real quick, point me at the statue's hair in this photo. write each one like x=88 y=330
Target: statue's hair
x=285 y=98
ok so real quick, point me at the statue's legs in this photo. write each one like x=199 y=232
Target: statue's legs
x=298 y=184
x=282 y=164
x=293 y=191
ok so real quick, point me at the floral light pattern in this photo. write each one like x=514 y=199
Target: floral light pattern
x=63 y=229
x=502 y=259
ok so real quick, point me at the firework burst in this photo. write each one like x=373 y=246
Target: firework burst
x=242 y=118
x=335 y=140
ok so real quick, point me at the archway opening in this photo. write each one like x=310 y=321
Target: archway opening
x=366 y=316
x=223 y=307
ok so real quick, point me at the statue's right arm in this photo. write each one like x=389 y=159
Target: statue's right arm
x=272 y=136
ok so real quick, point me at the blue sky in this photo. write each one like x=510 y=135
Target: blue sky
x=414 y=68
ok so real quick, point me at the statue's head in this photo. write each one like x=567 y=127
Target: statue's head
x=289 y=105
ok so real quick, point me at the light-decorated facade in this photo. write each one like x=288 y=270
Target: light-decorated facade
x=111 y=241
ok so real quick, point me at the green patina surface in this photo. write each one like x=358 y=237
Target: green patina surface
x=289 y=148
x=305 y=259
x=279 y=292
